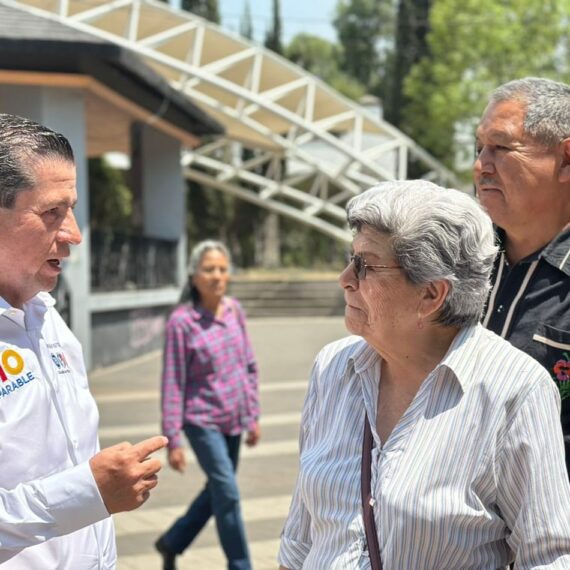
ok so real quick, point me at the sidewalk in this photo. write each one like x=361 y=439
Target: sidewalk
x=128 y=399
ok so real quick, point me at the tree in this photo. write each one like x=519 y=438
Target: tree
x=246 y=24
x=269 y=238
x=323 y=59
x=365 y=32
x=412 y=25
x=110 y=199
x=207 y=9
x=273 y=36
x=475 y=45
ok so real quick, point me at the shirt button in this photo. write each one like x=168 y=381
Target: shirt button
x=500 y=309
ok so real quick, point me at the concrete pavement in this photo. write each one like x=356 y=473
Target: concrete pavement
x=128 y=398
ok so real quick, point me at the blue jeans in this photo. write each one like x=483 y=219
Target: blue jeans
x=218 y=456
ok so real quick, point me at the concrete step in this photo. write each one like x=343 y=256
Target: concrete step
x=270 y=298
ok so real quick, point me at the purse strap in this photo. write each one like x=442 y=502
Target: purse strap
x=367 y=500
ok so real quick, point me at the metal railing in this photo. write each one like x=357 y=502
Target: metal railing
x=129 y=262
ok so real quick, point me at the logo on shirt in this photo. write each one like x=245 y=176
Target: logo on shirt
x=12 y=374
x=61 y=363
x=12 y=363
x=561 y=375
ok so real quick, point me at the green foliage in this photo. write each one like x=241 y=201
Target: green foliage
x=410 y=46
x=475 y=45
x=302 y=246
x=346 y=85
x=273 y=36
x=323 y=59
x=217 y=215
x=246 y=24
x=207 y=9
x=110 y=199
x=315 y=54
x=365 y=29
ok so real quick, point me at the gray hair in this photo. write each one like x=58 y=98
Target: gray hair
x=435 y=234
x=547 y=102
x=190 y=293
x=22 y=142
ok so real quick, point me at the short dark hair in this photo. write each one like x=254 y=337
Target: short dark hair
x=22 y=141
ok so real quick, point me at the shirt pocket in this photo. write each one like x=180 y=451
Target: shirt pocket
x=554 y=347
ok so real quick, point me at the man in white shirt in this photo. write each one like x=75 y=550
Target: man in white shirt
x=57 y=490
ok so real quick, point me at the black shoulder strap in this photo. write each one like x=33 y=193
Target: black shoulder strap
x=367 y=500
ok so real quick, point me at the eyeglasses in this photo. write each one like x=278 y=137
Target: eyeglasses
x=360 y=266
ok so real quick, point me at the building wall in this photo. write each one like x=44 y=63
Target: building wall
x=120 y=335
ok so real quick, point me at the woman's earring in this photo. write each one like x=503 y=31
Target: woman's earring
x=420 y=323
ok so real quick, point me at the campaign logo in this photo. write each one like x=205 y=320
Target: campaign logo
x=12 y=372
x=12 y=363
x=61 y=363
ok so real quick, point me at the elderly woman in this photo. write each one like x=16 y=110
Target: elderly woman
x=467 y=465
x=209 y=390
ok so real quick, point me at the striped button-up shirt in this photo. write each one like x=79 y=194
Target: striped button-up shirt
x=209 y=375
x=472 y=475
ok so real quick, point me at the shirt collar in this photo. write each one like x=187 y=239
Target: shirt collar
x=556 y=253
x=198 y=313
x=458 y=358
x=41 y=302
x=364 y=357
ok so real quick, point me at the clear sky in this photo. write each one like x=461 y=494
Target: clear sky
x=309 y=16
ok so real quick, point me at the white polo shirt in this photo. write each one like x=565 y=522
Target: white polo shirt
x=51 y=513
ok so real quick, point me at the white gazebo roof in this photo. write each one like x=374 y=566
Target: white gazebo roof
x=310 y=148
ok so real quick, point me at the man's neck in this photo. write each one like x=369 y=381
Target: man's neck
x=521 y=244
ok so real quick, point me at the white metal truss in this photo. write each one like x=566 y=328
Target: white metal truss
x=293 y=145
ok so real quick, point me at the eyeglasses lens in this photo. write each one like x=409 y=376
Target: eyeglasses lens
x=359 y=267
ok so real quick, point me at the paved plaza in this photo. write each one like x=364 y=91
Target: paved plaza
x=128 y=398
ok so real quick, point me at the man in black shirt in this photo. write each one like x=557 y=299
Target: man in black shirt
x=522 y=176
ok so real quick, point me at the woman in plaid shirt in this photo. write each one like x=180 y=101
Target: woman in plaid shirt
x=209 y=390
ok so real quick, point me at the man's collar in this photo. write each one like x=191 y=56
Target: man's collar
x=41 y=301
x=556 y=253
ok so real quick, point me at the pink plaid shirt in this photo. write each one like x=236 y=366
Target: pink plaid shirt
x=209 y=375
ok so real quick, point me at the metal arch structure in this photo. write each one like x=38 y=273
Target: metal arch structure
x=293 y=145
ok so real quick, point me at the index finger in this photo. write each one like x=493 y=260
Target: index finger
x=144 y=448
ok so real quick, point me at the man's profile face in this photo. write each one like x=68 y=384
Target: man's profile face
x=38 y=231
x=516 y=178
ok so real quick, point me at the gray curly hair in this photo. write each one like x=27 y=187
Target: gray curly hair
x=435 y=234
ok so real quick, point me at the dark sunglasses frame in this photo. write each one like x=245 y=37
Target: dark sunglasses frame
x=360 y=266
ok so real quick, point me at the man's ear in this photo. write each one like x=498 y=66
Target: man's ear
x=564 y=172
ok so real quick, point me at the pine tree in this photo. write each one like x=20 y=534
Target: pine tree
x=273 y=36
x=246 y=24
x=411 y=45
x=207 y=9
